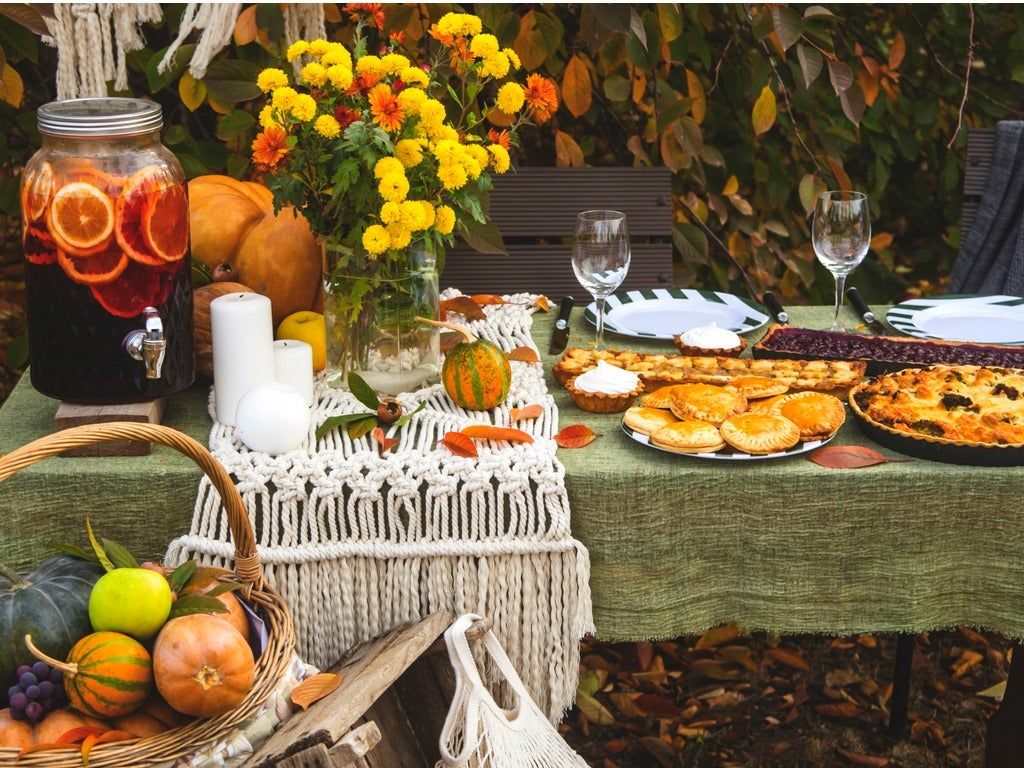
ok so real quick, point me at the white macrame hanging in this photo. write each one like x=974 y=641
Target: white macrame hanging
x=93 y=41
x=478 y=733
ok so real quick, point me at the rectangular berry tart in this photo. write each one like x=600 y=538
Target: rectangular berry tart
x=882 y=353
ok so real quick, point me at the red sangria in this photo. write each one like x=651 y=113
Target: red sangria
x=106 y=242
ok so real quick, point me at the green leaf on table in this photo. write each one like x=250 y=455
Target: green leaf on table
x=119 y=554
x=181 y=576
x=185 y=606
x=101 y=553
x=404 y=419
x=362 y=427
x=333 y=422
x=224 y=588
x=362 y=391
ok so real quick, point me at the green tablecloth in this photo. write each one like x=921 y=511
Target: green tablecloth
x=677 y=544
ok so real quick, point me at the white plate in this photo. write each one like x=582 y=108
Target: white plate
x=981 y=319
x=728 y=453
x=663 y=313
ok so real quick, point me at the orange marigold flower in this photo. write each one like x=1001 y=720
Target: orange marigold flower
x=541 y=98
x=269 y=148
x=375 y=12
x=361 y=84
x=397 y=37
x=498 y=137
x=345 y=116
x=384 y=108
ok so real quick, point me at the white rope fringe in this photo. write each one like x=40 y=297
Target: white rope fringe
x=357 y=542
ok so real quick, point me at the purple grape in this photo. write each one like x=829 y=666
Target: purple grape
x=46 y=690
x=27 y=679
x=41 y=670
x=13 y=690
x=34 y=711
x=24 y=669
x=18 y=701
x=17 y=714
x=56 y=676
x=33 y=692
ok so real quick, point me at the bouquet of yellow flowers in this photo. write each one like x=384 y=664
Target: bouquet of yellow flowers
x=386 y=157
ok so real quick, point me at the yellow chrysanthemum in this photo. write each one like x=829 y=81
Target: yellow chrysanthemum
x=318 y=47
x=460 y=24
x=394 y=187
x=501 y=160
x=336 y=53
x=444 y=219
x=369 y=65
x=314 y=74
x=428 y=214
x=409 y=152
x=452 y=175
x=513 y=58
x=495 y=65
x=484 y=45
x=327 y=126
x=479 y=154
x=269 y=79
x=446 y=151
x=510 y=98
x=400 y=236
x=413 y=218
x=304 y=108
x=410 y=100
x=296 y=49
x=442 y=132
x=266 y=117
x=387 y=165
x=391 y=212
x=284 y=98
x=376 y=239
x=414 y=76
x=431 y=112
x=394 y=63
x=340 y=76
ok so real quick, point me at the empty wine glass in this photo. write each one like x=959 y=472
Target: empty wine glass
x=841 y=233
x=600 y=257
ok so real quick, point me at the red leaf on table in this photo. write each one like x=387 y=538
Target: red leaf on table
x=865 y=760
x=575 y=436
x=463 y=305
x=524 y=355
x=105 y=738
x=386 y=443
x=488 y=432
x=542 y=303
x=487 y=299
x=77 y=735
x=789 y=658
x=459 y=444
x=846 y=457
x=534 y=411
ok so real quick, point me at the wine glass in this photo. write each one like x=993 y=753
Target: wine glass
x=841 y=233
x=600 y=257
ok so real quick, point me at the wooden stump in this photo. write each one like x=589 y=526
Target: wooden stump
x=71 y=415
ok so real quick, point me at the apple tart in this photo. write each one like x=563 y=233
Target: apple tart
x=757 y=387
x=760 y=433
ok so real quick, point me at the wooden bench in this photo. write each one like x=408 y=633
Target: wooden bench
x=535 y=209
x=981 y=145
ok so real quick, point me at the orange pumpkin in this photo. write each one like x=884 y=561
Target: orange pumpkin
x=202 y=337
x=203 y=667
x=139 y=724
x=235 y=616
x=14 y=734
x=276 y=255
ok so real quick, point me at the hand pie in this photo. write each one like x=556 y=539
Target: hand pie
x=764 y=405
x=647 y=420
x=757 y=387
x=660 y=398
x=706 y=402
x=689 y=436
x=816 y=414
x=760 y=433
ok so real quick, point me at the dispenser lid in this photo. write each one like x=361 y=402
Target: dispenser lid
x=99 y=117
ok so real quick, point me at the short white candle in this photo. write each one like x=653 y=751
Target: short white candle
x=272 y=418
x=293 y=363
x=242 y=328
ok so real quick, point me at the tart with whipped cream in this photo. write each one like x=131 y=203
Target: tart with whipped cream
x=710 y=341
x=605 y=389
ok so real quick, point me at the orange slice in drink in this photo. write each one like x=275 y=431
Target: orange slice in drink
x=136 y=288
x=99 y=269
x=129 y=211
x=38 y=246
x=165 y=223
x=81 y=218
x=36 y=191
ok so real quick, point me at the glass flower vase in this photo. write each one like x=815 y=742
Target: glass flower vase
x=372 y=328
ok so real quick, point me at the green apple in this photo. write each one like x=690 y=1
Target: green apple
x=135 y=601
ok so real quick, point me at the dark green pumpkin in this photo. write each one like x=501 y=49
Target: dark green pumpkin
x=52 y=604
x=476 y=375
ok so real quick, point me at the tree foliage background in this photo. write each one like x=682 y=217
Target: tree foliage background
x=754 y=108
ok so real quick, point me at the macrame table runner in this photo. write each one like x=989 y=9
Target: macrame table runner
x=357 y=542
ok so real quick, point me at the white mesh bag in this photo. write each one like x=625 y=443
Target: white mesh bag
x=478 y=733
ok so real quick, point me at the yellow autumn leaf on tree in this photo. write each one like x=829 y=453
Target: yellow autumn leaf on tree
x=698 y=101
x=191 y=91
x=763 y=115
x=11 y=87
x=576 y=87
x=245 y=26
x=732 y=186
x=567 y=152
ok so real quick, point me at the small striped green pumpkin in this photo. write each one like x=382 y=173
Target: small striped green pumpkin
x=110 y=675
x=476 y=375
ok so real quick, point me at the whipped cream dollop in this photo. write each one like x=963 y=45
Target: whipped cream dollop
x=710 y=336
x=607 y=379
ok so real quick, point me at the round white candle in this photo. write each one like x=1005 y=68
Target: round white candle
x=293 y=363
x=242 y=328
x=272 y=418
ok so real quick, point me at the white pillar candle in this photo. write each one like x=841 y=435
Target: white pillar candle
x=293 y=364
x=242 y=328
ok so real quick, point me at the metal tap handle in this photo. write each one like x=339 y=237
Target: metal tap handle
x=148 y=346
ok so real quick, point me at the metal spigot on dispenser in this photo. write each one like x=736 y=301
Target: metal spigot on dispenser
x=148 y=346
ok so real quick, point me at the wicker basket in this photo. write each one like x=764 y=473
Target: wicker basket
x=272 y=664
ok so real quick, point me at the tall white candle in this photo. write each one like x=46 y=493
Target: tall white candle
x=293 y=363
x=242 y=328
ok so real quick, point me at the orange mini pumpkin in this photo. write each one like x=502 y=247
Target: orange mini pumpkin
x=203 y=667
x=14 y=734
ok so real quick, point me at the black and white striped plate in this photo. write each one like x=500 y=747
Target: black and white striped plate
x=662 y=313
x=728 y=453
x=981 y=319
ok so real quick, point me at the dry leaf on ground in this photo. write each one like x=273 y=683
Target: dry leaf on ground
x=534 y=411
x=487 y=299
x=314 y=688
x=385 y=443
x=846 y=457
x=575 y=436
x=524 y=355
x=463 y=305
x=489 y=432
x=459 y=444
